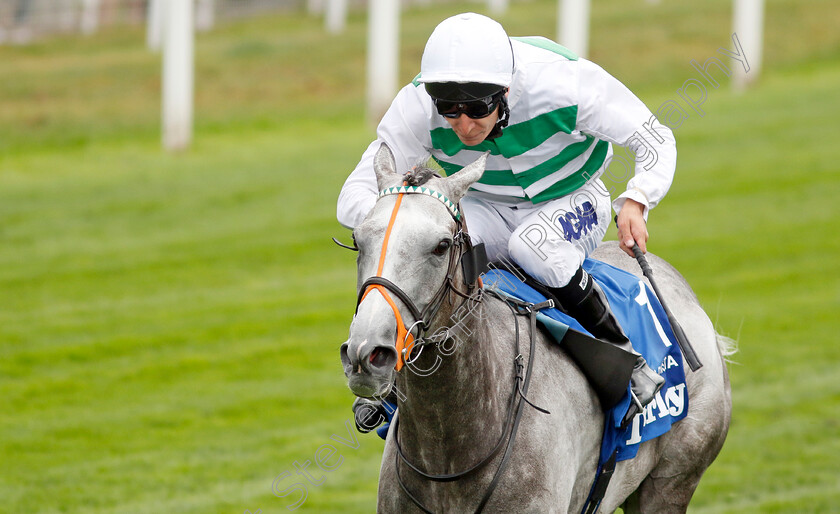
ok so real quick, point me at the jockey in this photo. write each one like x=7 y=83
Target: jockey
x=548 y=119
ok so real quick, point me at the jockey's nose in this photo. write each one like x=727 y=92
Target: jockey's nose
x=470 y=131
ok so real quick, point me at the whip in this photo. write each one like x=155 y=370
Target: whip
x=687 y=350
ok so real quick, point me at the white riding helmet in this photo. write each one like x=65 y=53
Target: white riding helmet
x=468 y=48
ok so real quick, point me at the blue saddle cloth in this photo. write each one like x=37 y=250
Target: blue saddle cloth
x=646 y=324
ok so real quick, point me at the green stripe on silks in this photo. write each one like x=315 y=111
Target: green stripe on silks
x=559 y=188
x=445 y=140
x=544 y=169
x=490 y=177
x=522 y=137
x=547 y=44
x=435 y=166
x=581 y=177
x=515 y=139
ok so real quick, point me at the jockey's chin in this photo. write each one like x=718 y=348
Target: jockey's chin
x=472 y=141
x=472 y=131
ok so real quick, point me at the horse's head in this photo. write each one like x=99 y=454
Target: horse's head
x=409 y=250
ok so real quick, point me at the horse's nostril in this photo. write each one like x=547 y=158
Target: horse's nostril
x=376 y=358
x=345 y=358
x=380 y=357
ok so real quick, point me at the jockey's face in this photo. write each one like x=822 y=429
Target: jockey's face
x=472 y=131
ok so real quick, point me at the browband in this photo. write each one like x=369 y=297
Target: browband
x=451 y=206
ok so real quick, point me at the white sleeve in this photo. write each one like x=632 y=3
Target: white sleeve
x=405 y=129
x=610 y=111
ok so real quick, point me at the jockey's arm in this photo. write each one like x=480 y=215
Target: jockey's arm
x=404 y=128
x=610 y=111
x=358 y=194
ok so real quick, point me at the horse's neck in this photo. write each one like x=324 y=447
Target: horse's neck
x=459 y=400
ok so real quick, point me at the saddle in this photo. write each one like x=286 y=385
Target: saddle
x=645 y=323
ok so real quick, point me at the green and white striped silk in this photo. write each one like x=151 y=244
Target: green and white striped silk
x=541 y=155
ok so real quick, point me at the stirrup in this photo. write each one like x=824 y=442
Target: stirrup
x=635 y=407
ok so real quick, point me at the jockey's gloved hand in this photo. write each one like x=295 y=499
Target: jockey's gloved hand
x=369 y=414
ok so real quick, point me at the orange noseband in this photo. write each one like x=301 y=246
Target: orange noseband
x=405 y=340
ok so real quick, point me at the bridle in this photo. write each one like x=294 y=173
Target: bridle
x=473 y=262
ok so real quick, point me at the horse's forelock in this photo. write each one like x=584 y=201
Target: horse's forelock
x=419 y=175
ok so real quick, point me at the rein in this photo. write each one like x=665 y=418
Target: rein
x=512 y=419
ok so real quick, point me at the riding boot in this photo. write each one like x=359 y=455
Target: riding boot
x=369 y=413
x=584 y=300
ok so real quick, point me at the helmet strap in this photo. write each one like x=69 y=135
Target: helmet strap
x=504 y=117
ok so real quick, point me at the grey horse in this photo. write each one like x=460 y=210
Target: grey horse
x=454 y=397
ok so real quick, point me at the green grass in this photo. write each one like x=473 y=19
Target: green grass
x=169 y=324
x=161 y=331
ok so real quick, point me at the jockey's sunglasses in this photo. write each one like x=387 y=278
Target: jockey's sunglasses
x=475 y=109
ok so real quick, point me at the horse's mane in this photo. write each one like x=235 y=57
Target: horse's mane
x=419 y=175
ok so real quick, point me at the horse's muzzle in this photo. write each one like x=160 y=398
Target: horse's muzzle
x=368 y=367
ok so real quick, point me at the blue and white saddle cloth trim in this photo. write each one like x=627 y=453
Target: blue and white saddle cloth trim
x=646 y=324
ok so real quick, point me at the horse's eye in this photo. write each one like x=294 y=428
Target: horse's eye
x=442 y=247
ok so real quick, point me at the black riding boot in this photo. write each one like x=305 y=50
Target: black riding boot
x=369 y=413
x=584 y=300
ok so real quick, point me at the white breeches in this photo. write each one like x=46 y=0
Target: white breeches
x=550 y=240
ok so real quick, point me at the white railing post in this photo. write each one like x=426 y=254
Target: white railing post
x=177 y=80
x=205 y=15
x=497 y=6
x=90 y=17
x=573 y=25
x=66 y=15
x=336 y=16
x=748 y=25
x=382 y=56
x=154 y=24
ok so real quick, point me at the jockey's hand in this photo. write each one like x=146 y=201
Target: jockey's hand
x=632 y=227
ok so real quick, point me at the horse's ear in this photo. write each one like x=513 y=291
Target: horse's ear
x=384 y=166
x=458 y=183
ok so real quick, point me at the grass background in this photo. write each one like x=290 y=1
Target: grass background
x=169 y=324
